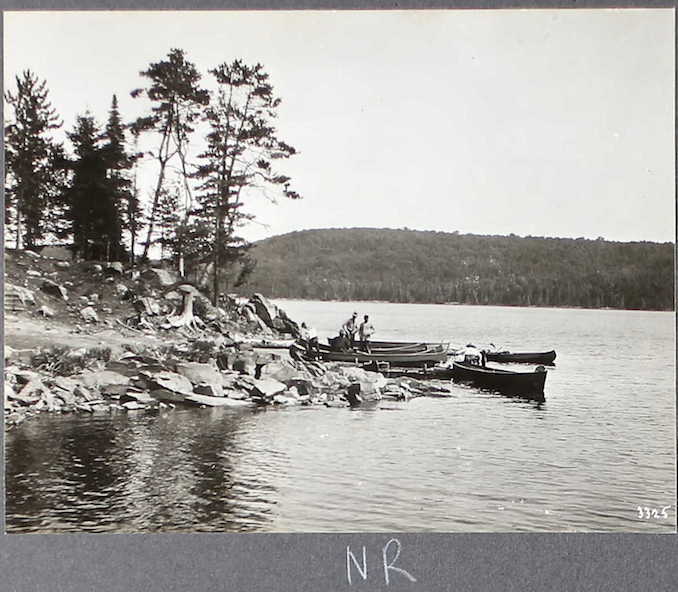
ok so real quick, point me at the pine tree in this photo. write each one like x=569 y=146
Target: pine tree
x=92 y=195
x=176 y=103
x=242 y=144
x=119 y=165
x=169 y=219
x=32 y=176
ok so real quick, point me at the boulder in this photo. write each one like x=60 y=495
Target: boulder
x=97 y=379
x=113 y=390
x=198 y=373
x=133 y=405
x=139 y=396
x=64 y=383
x=96 y=268
x=33 y=273
x=161 y=277
x=81 y=392
x=267 y=388
x=24 y=295
x=115 y=266
x=89 y=315
x=172 y=381
x=244 y=363
x=265 y=310
x=210 y=390
x=252 y=317
x=303 y=387
x=32 y=254
x=30 y=393
x=217 y=401
x=286 y=400
x=279 y=370
x=238 y=395
x=62 y=264
x=54 y=289
x=121 y=290
x=46 y=311
x=168 y=396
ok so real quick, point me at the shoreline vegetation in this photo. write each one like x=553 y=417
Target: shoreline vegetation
x=563 y=307
x=429 y=267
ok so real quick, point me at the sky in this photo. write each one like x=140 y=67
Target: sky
x=532 y=122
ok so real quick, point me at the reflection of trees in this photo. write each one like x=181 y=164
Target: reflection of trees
x=73 y=455
x=180 y=470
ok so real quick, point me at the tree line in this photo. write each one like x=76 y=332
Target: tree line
x=84 y=192
x=438 y=267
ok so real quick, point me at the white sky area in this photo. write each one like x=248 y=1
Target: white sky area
x=532 y=122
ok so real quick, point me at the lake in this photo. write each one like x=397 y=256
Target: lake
x=601 y=445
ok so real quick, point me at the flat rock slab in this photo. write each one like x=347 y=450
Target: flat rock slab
x=173 y=382
x=95 y=380
x=167 y=396
x=54 y=289
x=218 y=401
x=267 y=388
x=197 y=373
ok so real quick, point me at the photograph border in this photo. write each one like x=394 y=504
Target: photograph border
x=316 y=562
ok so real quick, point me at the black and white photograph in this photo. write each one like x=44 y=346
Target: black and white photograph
x=339 y=271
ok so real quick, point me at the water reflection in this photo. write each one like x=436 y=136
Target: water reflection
x=138 y=472
x=583 y=460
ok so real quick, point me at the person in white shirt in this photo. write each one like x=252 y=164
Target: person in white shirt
x=310 y=336
x=349 y=329
x=366 y=331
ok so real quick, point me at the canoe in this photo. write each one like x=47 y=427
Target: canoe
x=507 y=382
x=427 y=357
x=522 y=358
x=382 y=345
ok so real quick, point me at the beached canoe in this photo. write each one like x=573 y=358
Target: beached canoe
x=522 y=358
x=400 y=345
x=420 y=358
x=507 y=382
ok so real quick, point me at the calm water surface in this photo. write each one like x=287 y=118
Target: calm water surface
x=601 y=445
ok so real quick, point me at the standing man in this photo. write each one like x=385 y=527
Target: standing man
x=349 y=329
x=310 y=336
x=366 y=331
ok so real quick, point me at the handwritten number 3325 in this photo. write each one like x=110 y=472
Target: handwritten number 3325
x=646 y=513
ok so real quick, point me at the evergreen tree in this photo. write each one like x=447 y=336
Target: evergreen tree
x=92 y=195
x=242 y=144
x=176 y=102
x=33 y=177
x=119 y=163
x=169 y=219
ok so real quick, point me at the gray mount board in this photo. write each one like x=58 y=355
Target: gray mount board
x=316 y=562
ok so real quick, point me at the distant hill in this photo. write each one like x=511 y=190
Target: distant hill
x=419 y=266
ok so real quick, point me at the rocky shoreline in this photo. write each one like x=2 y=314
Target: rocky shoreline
x=206 y=356
x=237 y=376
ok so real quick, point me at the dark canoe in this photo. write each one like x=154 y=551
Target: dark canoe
x=420 y=359
x=522 y=358
x=523 y=384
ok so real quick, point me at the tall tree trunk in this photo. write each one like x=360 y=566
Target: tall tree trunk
x=217 y=238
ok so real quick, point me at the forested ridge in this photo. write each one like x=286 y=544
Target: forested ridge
x=439 y=267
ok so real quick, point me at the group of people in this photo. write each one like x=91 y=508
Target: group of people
x=351 y=334
x=350 y=329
